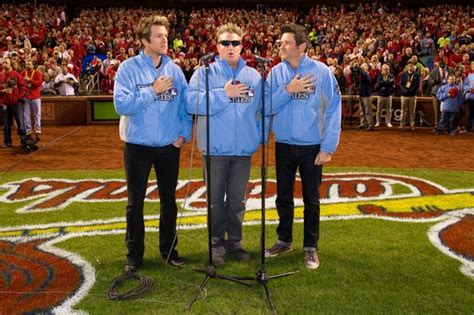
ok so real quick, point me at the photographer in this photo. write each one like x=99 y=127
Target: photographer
x=12 y=89
x=385 y=87
x=365 y=95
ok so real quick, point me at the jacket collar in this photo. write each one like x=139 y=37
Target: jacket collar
x=149 y=62
x=224 y=64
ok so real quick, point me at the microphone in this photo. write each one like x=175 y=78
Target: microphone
x=261 y=59
x=208 y=56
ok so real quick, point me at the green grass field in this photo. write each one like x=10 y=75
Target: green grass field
x=368 y=266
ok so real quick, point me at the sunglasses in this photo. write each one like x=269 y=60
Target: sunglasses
x=226 y=43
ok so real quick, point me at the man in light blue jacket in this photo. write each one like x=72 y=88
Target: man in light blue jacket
x=234 y=99
x=306 y=109
x=149 y=95
x=468 y=90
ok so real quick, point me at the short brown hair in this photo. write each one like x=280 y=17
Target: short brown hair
x=229 y=28
x=300 y=33
x=143 y=29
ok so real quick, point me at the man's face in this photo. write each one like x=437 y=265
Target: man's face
x=29 y=66
x=158 y=43
x=227 y=50
x=410 y=68
x=385 y=69
x=7 y=65
x=288 y=48
x=451 y=79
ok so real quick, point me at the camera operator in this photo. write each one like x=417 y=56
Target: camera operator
x=361 y=75
x=385 y=87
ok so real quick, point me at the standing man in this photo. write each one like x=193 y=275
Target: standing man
x=33 y=81
x=149 y=96
x=385 y=87
x=307 y=125
x=468 y=91
x=12 y=90
x=365 y=99
x=409 y=85
x=234 y=103
x=66 y=82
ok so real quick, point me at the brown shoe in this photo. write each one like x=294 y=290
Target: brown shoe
x=311 y=259
x=278 y=249
x=218 y=259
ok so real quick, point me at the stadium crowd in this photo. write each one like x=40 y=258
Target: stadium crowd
x=420 y=47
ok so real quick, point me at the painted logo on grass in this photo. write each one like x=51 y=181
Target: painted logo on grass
x=343 y=196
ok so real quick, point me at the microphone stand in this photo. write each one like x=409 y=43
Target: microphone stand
x=262 y=276
x=210 y=272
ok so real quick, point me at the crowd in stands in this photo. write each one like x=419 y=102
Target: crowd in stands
x=436 y=40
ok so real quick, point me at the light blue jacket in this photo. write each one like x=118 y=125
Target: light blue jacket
x=235 y=124
x=147 y=118
x=307 y=118
x=449 y=104
x=469 y=86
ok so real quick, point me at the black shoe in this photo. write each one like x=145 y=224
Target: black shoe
x=177 y=262
x=240 y=254
x=370 y=128
x=130 y=268
x=7 y=145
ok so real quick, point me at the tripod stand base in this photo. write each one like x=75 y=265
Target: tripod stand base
x=263 y=278
x=211 y=273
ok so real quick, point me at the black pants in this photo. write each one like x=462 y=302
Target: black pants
x=470 y=114
x=138 y=162
x=289 y=158
x=448 y=120
x=13 y=112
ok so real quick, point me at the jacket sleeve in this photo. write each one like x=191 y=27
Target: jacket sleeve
x=467 y=89
x=332 y=114
x=378 y=83
x=275 y=94
x=442 y=94
x=196 y=95
x=184 y=117
x=37 y=79
x=403 y=82
x=128 y=98
x=21 y=86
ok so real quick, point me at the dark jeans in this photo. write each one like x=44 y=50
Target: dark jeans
x=470 y=114
x=289 y=158
x=138 y=162
x=13 y=112
x=449 y=120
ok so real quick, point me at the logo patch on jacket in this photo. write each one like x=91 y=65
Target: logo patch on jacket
x=247 y=98
x=167 y=96
x=304 y=95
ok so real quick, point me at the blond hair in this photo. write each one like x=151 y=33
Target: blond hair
x=229 y=28
x=143 y=29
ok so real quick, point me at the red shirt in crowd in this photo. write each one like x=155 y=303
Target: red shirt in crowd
x=33 y=85
x=17 y=92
